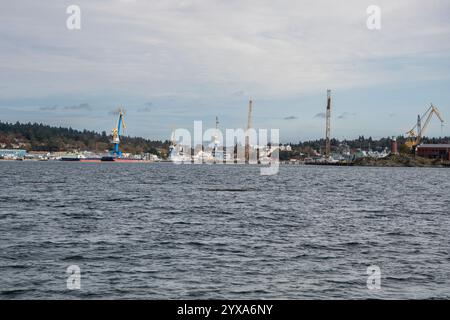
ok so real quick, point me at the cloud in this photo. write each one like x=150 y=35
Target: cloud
x=206 y=47
x=114 y=112
x=82 y=106
x=49 y=108
x=345 y=115
x=179 y=54
x=145 y=109
x=320 y=115
x=290 y=118
x=239 y=93
x=148 y=107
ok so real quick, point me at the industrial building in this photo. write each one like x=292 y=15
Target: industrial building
x=434 y=151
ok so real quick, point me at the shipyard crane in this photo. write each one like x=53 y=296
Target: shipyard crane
x=216 y=135
x=416 y=133
x=247 y=137
x=173 y=141
x=216 y=140
x=117 y=133
x=327 y=129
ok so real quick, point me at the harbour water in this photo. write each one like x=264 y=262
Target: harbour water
x=157 y=231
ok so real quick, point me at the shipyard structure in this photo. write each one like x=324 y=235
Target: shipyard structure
x=249 y=152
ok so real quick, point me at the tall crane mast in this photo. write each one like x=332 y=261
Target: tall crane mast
x=247 y=137
x=419 y=126
x=328 y=121
x=216 y=134
x=416 y=133
x=216 y=138
x=173 y=141
x=117 y=133
x=174 y=150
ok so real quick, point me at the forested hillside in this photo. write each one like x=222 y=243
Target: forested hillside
x=40 y=137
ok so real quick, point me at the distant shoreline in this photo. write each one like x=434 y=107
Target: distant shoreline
x=402 y=161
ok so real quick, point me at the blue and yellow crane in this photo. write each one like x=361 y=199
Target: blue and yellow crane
x=117 y=133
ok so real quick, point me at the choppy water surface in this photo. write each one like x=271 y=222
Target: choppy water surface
x=200 y=231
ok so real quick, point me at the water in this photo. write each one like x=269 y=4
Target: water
x=160 y=231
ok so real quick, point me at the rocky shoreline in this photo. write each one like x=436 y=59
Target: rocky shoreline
x=402 y=160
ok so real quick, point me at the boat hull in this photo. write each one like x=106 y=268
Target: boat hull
x=123 y=160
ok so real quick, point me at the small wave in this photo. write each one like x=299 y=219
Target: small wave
x=13 y=292
x=230 y=190
x=399 y=233
x=352 y=243
x=75 y=257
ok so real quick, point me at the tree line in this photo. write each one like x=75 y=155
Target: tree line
x=40 y=137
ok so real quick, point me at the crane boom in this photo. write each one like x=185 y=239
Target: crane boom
x=414 y=138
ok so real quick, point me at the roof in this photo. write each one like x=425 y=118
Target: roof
x=437 y=145
x=12 y=150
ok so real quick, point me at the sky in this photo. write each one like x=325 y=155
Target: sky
x=168 y=63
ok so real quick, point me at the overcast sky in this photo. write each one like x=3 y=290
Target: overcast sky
x=169 y=63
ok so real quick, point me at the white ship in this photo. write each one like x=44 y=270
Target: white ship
x=177 y=154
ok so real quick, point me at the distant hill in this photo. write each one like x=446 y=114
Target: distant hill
x=40 y=137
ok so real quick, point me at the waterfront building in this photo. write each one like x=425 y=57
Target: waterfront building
x=434 y=151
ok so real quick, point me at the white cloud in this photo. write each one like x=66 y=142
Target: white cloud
x=209 y=49
x=281 y=48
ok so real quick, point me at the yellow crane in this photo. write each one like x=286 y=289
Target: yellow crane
x=416 y=133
